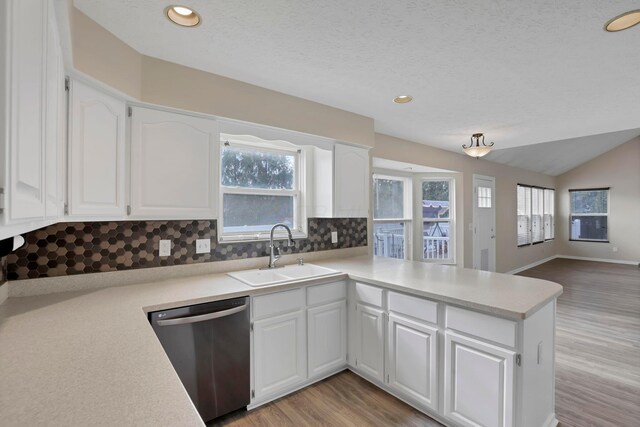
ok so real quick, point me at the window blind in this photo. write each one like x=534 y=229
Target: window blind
x=524 y=215
x=537 y=212
x=549 y=210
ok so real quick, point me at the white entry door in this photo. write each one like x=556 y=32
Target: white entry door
x=484 y=223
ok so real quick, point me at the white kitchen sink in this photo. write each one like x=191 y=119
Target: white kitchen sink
x=289 y=273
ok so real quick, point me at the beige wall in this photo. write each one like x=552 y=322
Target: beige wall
x=509 y=256
x=101 y=55
x=620 y=170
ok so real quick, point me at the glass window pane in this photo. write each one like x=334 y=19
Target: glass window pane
x=484 y=197
x=249 y=213
x=242 y=167
x=388 y=240
x=590 y=201
x=435 y=199
x=435 y=240
x=589 y=228
x=388 y=199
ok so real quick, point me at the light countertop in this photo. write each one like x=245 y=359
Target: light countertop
x=91 y=357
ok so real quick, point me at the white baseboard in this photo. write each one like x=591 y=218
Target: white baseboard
x=614 y=261
x=4 y=292
x=533 y=264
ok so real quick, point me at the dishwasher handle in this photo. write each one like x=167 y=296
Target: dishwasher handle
x=201 y=317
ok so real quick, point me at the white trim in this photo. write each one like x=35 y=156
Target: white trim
x=612 y=261
x=533 y=264
x=580 y=258
x=551 y=421
x=4 y=292
x=494 y=207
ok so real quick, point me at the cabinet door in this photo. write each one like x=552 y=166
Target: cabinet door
x=413 y=360
x=97 y=154
x=479 y=382
x=27 y=27
x=55 y=117
x=351 y=186
x=280 y=356
x=370 y=341
x=327 y=329
x=174 y=168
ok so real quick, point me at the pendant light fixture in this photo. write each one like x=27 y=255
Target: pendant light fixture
x=475 y=149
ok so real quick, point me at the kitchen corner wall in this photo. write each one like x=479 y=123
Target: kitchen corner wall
x=90 y=247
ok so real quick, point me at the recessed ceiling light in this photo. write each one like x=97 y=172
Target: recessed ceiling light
x=183 y=16
x=402 y=99
x=624 y=21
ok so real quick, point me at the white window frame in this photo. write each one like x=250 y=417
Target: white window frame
x=299 y=215
x=451 y=220
x=572 y=215
x=407 y=207
x=530 y=216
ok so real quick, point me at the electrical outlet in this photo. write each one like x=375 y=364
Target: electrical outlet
x=165 y=248
x=615 y=249
x=334 y=237
x=203 y=246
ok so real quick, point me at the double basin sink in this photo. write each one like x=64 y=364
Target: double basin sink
x=288 y=273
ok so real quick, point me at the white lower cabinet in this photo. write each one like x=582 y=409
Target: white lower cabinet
x=413 y=360
x=369 y=345
x=478 y=382
x=280 y=353
x=327 y=336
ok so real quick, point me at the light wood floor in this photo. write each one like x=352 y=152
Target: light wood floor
x=597 y=354
x=597 y=342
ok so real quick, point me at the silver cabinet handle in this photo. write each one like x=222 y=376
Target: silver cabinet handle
x=202 y=317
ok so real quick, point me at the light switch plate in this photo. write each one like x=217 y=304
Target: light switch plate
x=334 y=237
x=203 y=246
x=165 y=248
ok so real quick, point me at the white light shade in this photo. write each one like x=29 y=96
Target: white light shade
x=477 y=151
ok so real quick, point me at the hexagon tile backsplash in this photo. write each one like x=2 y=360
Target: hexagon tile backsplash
x=90 y=247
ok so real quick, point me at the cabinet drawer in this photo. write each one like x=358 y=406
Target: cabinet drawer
x=279 y=302
x=495 y=329
x=412 y=306
x=369 y=294
x=326 y=293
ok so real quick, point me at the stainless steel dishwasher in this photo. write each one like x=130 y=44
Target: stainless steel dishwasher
x=208 y=345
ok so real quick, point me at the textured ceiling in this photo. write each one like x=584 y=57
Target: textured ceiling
x=557 y=157
x=522 y=72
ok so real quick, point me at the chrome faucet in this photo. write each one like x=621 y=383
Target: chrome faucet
x=274 y=251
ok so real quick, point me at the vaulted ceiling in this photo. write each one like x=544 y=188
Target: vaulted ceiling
x=522 y=72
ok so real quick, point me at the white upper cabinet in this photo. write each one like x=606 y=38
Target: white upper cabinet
x=25 y=50
x=351 y=183
x=32 y=117
x=96 y=154
x=478 y=382
x=56 y=119
x=174 y=165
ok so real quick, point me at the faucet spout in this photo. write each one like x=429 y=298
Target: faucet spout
x=274 y=252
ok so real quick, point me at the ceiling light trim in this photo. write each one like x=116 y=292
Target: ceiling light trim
x=633 y=19
x=190 y=20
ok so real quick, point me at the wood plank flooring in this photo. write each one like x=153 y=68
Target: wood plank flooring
x=344 y=399
x=597 y=342
x=597 y=355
